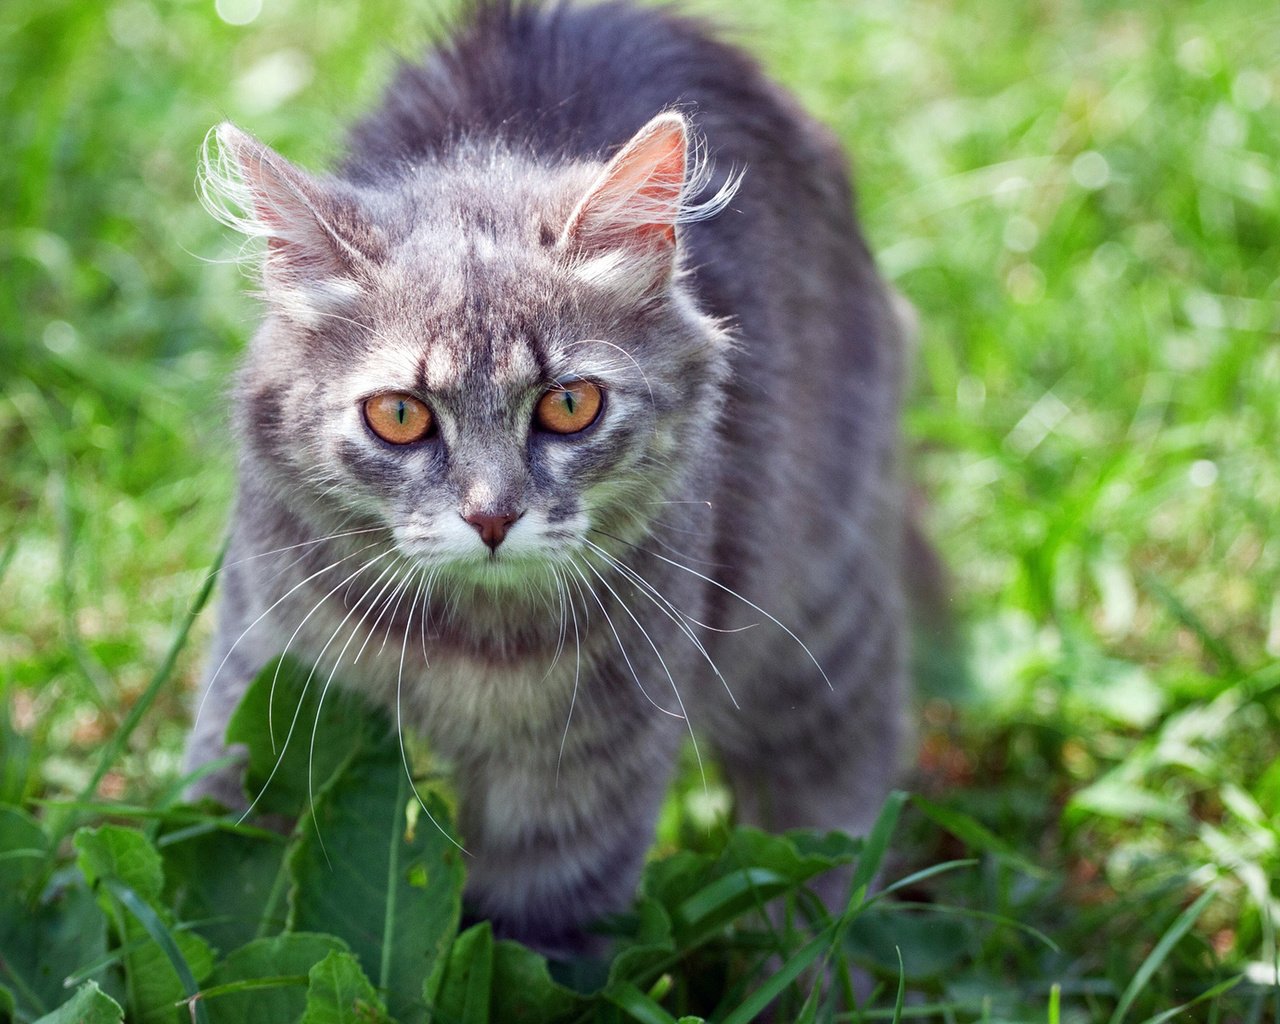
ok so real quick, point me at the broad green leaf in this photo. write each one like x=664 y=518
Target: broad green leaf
x=523 y=991
x=43 y=937
x=282 y=956
x=753 y=868
x=392 y=891
x=227 y=905
x=121 y=853
x=463 y=997
x=926 y=944
x=90 y=1005
x=41 y=947
x=161 y=964
x=651 y=945
x=296 y=744
x=8 y=1005
x=339 y=993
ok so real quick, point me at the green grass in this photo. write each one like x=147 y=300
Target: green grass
x=1082 y=200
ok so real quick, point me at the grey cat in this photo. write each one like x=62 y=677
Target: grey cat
x=572 y=430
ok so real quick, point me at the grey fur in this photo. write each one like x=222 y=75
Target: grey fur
x=744 y=468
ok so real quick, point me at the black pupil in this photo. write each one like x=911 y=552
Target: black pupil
x=401 y=411
x=568 y=402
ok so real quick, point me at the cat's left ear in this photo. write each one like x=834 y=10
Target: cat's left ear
x=632 y=210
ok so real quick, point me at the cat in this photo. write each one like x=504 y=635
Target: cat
x=571 y=431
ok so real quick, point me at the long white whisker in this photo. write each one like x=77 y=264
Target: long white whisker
x=422 y=591
x=231 y=650
x=750 y=604
x=400 y=583
x=577 y=666
x=337 y=663
x=661 y=661
x=618 y=639
x=301 y=697
x=663 y=604
x=304 y=544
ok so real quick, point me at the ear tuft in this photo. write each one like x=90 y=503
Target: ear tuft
x=251 y=188
x=630 y=214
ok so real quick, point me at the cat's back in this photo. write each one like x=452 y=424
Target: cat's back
x=572 y=81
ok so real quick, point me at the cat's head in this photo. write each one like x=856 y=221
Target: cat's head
x=495 y=359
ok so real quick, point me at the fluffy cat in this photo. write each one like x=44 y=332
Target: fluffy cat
x=576 y=368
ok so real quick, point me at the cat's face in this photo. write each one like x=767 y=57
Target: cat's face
x=493 y=360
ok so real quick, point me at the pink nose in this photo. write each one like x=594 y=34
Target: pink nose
x=492 y=528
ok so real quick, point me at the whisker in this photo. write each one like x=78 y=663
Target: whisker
x=422 y=591
x=324 y=690
x=577 y=666
x=276 y=678
x=675 y=614
x=661 y=661
x=733 y=593
x=208 y=689
x=621 y=647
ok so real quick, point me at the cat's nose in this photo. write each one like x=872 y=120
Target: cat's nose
x=492 y=527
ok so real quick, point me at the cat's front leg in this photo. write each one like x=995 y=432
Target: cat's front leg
x=558 y=841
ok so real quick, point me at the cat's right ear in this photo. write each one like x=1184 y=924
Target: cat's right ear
x=314 y=233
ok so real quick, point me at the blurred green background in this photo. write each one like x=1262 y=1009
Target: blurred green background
x=1080 y=197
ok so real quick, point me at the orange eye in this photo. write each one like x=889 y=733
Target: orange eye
x=569 y=407
x=398 y=418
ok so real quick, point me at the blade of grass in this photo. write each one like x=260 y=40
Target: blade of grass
x=60 y=829
x=902 y=987
x=1157 y=956
x=1211 y=993
x=154 y=927
x=755 y=1003
x=1214 y=645
x=876 y=844
x=637 y=1005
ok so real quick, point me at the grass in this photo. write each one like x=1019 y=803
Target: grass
x=1081 y=198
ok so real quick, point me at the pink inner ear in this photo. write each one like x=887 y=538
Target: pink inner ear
x=636 y=201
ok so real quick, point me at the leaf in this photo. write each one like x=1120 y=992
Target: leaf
x=226 y=906
x=297 y=744
x=392 y=892
x=161 y=965
x=41 y=946
x=339 y=993
x=754 y=1005
x=753 y=868
x=43 y=938
x=281 y=956
x=650 y=946
x=927 y=945
x=523 y=991
x=89 y=1005
x=468 y=978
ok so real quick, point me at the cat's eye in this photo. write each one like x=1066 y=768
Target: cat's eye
x=398 y=418
x=569 y=407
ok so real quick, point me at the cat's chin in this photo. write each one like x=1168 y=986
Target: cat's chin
x=497 y=574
